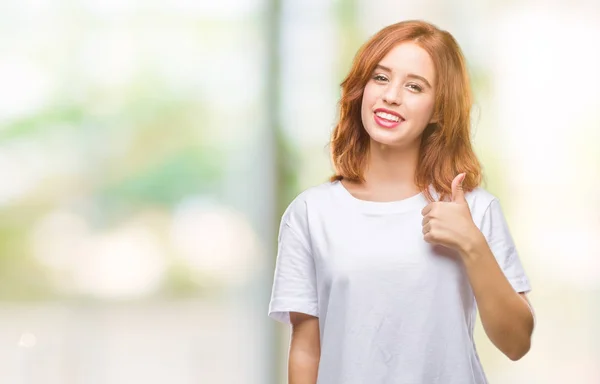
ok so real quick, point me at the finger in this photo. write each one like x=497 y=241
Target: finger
x=428 y=238
x=426 y=228
x=458 y=194
x=427 y=209
x=425 y=220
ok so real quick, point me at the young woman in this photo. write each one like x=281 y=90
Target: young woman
x=381 y=270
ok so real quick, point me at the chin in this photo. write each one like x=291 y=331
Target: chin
x=395 y=137
x=392 y=139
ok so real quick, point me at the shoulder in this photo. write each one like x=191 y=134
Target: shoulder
x=309 y=199
x=480 y=197
x=480 y=200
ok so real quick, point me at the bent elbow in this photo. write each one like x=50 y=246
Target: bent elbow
x=517 y=353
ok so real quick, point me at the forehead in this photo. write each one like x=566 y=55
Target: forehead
x=407 y=58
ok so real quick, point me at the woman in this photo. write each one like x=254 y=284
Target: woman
x=381 y=270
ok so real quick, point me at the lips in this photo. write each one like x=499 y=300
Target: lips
x=387 y=118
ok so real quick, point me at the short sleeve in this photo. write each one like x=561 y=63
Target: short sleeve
x=496 y=231
x=294 y=282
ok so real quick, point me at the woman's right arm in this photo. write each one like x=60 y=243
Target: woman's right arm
x=305 y=349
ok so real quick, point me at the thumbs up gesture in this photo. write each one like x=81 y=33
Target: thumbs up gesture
x=450 y=223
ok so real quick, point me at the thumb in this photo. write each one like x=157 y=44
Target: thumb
x=458 y=195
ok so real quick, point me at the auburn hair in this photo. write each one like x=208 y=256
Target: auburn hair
x=445 y=149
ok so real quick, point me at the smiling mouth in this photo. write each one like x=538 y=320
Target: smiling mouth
x=388 y=117
x=387 y=120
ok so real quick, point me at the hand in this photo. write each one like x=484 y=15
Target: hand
x=450 y=223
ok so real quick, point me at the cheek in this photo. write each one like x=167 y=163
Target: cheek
x=369 y=97
x=368 y=101
x=421 y=108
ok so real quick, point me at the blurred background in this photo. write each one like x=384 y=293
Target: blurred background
x=149 y=148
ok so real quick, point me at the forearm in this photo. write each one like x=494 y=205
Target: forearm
x=505 y=315
x=302 y=366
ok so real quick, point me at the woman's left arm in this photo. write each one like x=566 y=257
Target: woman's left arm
x=506 y=315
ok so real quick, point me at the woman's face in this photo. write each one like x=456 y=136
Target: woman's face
x=398 y=101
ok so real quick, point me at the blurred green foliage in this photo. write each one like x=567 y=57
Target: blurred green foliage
x=146 y=153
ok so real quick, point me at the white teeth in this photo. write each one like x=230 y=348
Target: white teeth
x=387 y=116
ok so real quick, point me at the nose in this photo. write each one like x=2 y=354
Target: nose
x=392 y=95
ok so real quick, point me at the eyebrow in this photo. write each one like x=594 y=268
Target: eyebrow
x=410 y=75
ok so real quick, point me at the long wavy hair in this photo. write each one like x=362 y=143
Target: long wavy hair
x=445 y=149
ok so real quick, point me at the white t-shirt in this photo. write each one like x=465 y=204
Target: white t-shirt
x=392 y=308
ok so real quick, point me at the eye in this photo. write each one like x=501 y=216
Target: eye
x=415 y=87
x=379 y=78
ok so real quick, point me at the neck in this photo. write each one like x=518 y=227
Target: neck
x=388 y=166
